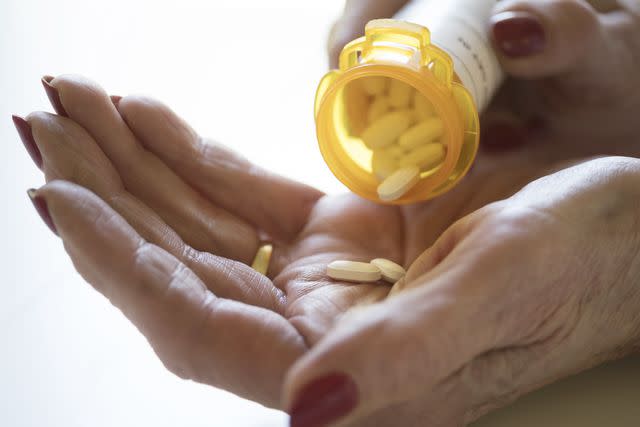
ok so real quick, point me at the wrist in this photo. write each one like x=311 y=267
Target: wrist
x=616 y=275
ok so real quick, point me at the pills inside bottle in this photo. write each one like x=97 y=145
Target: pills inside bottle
x=399 y=102
x=396 y=130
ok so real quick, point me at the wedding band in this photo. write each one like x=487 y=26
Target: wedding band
x=263 y=257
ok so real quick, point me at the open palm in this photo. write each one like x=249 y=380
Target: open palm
x=164 y=225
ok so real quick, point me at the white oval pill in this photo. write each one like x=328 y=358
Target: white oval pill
x=384 y=131
x=426 y=157
x=400 y=94
x=391 y=272
x=399 y=183
x=423 y=133
x=374 y=85
x=378 y=108
x=352 y=271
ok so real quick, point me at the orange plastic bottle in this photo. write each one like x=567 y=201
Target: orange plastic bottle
x=453 y=69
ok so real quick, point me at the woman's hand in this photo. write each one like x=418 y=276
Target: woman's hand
x=518 y=294
x=573 y=69
x=163 y=224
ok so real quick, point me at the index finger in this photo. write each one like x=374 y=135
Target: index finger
x=351 y=24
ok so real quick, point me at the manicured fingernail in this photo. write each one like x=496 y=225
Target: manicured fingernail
x=115 y=99
x=324 y=401
x=502 y=136
x=54 y=96
x=26 y=135
x=518 y=34
x=41 y=206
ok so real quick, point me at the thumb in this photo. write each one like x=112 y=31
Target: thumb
x=537 y=39
x=351 y=24
x=381 y=356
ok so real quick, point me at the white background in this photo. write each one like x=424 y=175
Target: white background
x=242 y=72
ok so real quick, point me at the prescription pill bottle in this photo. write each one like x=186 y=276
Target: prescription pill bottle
x=398 y=122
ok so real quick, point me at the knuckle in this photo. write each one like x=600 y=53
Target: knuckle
x=216 y=156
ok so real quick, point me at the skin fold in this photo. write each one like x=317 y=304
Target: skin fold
x=523 y=274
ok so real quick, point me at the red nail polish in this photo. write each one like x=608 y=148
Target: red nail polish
x=115 y=99
x=501 y=136
x=54 y=96
x=26 y=135
x=41 y=206
x=324 y=401
x=518 y=34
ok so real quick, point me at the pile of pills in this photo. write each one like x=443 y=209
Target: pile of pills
x=403 y=132
x=363 y=272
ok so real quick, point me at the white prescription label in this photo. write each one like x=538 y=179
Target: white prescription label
x=460 y=27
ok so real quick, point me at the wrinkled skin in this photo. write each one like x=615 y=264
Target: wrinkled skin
x=165 y=280
x=515 y=294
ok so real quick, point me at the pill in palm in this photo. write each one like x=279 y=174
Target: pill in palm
x=425 y=157
x=400 y=94
x=399 y=183
x=386 y=130
x=422 y=133
x=378 y=108
x=375 y=85
x=391 y=272
x=352 y=271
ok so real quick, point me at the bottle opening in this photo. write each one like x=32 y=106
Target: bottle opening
x=385 y=125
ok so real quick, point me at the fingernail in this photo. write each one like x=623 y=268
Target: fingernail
x=501 y=136
x=26 y=135
x=54 y=96
x=324 y=401
x=518 y=34
x=115 y=99
x=41 y=206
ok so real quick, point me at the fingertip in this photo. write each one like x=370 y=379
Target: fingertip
x=342 y=33
x=324 y=400
x=115 y=99
x=136 y=102
x=58 y=191
x=538 y=39
x=71 y=85
x=53 y=93
x=517 y=34
x=41 y=206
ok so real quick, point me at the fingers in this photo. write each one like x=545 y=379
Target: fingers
x=353 y=20
x=348 y=375
x=70 y=153
x=197 y=335
x=270 y=202
x=202 y=225
x=537 y=39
